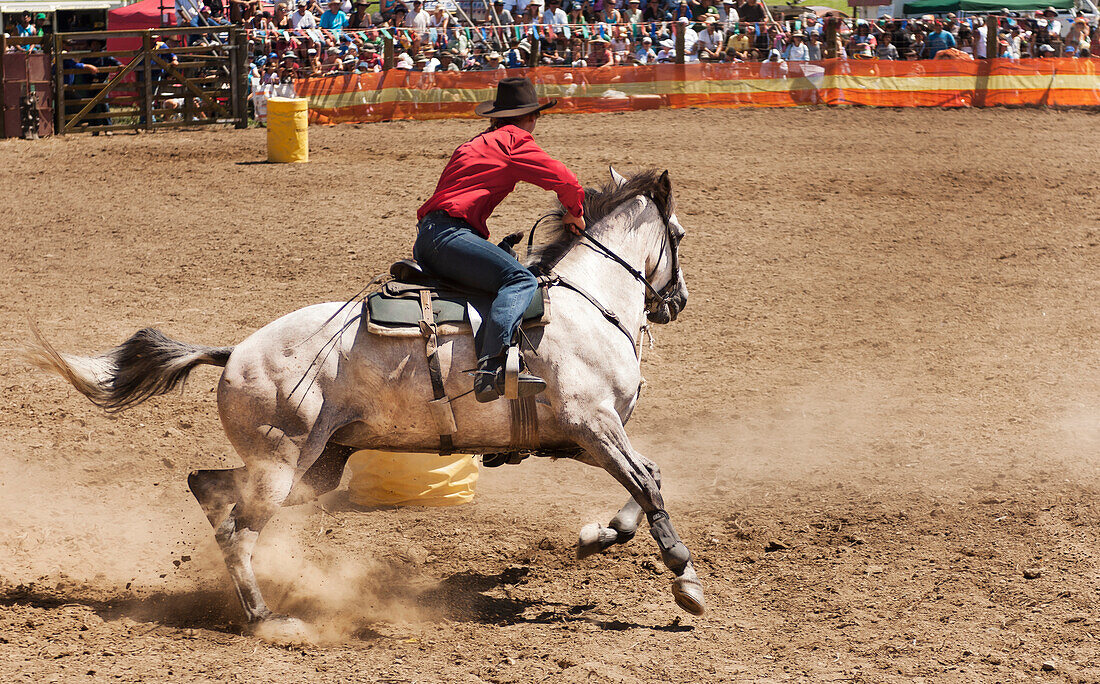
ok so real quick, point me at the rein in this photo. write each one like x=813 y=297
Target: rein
x=655 y=297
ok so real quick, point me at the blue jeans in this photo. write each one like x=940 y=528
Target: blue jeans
x=449 y=249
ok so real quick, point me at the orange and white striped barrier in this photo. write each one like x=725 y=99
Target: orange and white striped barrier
x=401 y=94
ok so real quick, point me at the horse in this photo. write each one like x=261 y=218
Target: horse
x=301 y=394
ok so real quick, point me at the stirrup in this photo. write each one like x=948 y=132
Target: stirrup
x=511 y=373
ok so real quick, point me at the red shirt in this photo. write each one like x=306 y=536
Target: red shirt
x=484 y=170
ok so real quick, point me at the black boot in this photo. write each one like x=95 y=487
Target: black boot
x=489 y=381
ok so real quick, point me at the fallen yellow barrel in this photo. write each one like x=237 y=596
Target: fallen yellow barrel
x=287 y=129
x=383 y=478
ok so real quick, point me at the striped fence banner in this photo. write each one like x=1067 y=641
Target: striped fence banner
x=402 y=94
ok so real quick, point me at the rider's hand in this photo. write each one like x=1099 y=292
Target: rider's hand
x=575 y=224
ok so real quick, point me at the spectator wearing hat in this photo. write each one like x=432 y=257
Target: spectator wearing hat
x=439 y=18
x=301 y=18
x=711 y=40
x=207 y=18
x=862 y=36
x=1078 y=34
x=1054 y=25
x=645 y=54
x=727 y=14
x=447 y=61
x=599 y=54
x=1045 y=51
x=690 y=38
x=502 y=16
x=493 y=62
x=360 y=17
x=774 y=66
x=633 y=12
x=42 y=25
x=816 y=47
x=313 y=62
x=334 y=18
x=798 y=50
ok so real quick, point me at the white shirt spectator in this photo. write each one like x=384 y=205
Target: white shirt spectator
x=436 y=22
x=690 y=39
x=417 y=20
x=645 y=54
x=979 y=41
x=708 y=39
x=556 y=17
x=727 y=15
x=516 y=7
x=798 y=52
x=302 y=21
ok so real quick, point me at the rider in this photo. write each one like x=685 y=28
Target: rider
x=453 y=244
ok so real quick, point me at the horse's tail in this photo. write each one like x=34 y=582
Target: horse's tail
x=146 y=365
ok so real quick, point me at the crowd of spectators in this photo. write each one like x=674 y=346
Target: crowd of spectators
x=300 y=38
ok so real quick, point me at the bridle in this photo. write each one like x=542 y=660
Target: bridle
x=655 y=299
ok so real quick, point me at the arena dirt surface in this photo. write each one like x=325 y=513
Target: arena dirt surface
x=878 y=418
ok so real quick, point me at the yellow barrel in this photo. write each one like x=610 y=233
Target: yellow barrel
x=287 y=129
x=383 y=478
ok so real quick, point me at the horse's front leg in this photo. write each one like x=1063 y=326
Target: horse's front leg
x=595 y=538
x=604 y=439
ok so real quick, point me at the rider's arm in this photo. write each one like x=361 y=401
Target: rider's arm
x=532 y=165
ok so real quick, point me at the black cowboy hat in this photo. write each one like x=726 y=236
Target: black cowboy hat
x=515 y=97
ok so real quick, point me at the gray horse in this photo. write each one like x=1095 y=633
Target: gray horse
x=298 y=396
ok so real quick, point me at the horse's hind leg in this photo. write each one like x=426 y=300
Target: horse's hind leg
x=216 y=490
x=321 y=477
x=264 y=488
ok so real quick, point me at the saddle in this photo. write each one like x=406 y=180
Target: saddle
x=398 y=309
x=414 y=304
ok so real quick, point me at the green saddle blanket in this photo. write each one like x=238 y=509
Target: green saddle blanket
x=403 y=311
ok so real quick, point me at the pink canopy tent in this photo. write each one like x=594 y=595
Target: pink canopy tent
x=140 y=15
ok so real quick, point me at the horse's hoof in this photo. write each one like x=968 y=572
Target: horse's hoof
x=282 y=630
x=689 y=595
x=594 y=539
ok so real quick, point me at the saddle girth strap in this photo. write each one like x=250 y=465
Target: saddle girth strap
x=525 y=424
x=440 y=406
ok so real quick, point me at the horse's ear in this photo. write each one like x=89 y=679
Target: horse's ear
x=664 y=186
x=615 y=176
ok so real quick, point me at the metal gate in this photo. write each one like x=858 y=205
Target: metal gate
x=174 y=77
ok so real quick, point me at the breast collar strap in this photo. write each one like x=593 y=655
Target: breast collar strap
x=555 y=279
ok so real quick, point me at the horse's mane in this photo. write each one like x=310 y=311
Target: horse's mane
x=555 y=240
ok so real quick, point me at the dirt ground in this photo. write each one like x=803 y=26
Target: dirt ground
x=878 y=418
